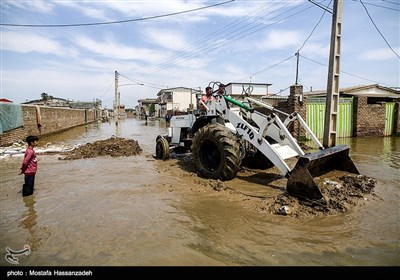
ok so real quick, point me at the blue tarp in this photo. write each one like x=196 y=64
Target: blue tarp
x=10 y=116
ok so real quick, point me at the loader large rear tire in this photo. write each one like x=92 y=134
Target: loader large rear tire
x=216 y=152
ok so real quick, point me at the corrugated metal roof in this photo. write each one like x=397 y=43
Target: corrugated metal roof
x=357 y=91
x=396 y=96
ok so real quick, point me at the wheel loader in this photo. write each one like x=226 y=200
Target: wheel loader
x=233 y=133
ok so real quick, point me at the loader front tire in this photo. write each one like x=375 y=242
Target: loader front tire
x=257 y=161
x=216 y=152
x=162 y=148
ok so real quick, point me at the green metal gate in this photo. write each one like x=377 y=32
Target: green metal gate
x=345 y=128
x=316 y=116
x=389 y=118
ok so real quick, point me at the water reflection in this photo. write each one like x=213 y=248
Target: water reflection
x=391 y=151
x=382 y=154
x=29 y=222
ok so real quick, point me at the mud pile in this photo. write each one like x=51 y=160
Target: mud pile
x=341 y=190
x=339 y=196
x=114 y=146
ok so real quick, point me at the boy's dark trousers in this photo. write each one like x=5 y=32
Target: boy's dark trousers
x=27 y=188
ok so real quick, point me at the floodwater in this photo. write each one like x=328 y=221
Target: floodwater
x=138 y=211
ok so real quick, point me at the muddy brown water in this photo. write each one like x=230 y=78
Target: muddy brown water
x=135 y=211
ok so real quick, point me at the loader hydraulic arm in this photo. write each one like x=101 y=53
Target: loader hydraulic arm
x=238 y=103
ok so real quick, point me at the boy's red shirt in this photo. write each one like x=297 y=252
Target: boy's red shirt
x=29 y=165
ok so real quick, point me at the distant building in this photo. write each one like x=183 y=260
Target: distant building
x=5 y=100
x=144 y=107
x=177 y=100
x=61 y=102
x=50 y=101
x=255 y=90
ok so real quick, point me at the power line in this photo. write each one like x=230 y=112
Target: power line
x=113 y=22
x=379 y=30
x=276 y=64
x=219 y=45
x=107 y=89
x=384 y=7
x=231 y=39
x=391 y=2
x=156 y=86
x=205 y=39
x=326 y=9
x=314 y=28
x=347 y=73
x=208 y=47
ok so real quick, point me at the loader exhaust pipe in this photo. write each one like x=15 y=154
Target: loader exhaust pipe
x=301 y=182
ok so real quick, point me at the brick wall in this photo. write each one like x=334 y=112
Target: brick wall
x=52 y=120
x=397 y=128
x=292 y=105
x=369 y=119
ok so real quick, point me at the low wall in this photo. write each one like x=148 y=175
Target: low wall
x=370 y=119
x=52 y=119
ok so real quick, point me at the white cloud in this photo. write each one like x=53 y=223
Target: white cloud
x=41 y=6
x=313 y=50
x=110 y=48
x=379 y=54
x=280 y=39
x=136 y=9
x=166 y=38
x=86 y=8
x=30 y=42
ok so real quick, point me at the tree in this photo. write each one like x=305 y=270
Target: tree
x=152 y=109
x=45 y=96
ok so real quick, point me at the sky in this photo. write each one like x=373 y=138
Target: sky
x=71 y=48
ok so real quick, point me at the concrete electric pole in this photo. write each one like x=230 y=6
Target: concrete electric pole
x=332 y=93
x=116 y=99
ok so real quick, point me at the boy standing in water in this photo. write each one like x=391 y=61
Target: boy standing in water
x=29 y=166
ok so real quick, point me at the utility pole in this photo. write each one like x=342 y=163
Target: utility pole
x=332 y=92
x=297 y=67
x=116 y=99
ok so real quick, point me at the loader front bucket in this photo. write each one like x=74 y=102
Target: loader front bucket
x=301 y=182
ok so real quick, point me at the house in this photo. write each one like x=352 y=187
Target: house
x=51 y=101
x=255 y=90
x=177 y=100
x=5 y=100
x=146 y=107
x=367 y=110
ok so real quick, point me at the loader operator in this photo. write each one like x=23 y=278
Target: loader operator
x=220 y=92
x=206 y=97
